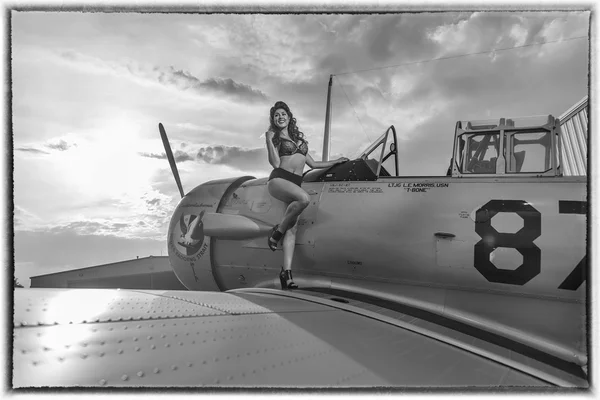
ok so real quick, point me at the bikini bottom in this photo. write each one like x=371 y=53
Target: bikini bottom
x=287 y=175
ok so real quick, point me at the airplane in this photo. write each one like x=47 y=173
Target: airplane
x=475 y=278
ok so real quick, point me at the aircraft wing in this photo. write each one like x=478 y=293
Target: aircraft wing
x=248 y=338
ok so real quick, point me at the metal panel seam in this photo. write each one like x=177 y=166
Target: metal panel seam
x=184 y=300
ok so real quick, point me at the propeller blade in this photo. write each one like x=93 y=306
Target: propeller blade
x=165 y=140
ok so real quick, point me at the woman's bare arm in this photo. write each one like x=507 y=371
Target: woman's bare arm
x=323 y=164
x=273 y=155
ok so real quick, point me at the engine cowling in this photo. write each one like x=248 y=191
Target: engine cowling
x=196 y=219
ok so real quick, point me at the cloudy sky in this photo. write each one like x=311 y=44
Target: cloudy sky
x=91 y=182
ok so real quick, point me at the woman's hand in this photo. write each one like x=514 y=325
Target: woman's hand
x=269 y=134
x=341 y=160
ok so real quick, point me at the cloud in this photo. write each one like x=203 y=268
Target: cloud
x=31 y=150
x=161 y=156
x=156 y=205
x=408 y=96
x=119 y=217
x=152 y=202
x=189 y=126
x=186 y=81
x=88 y=228
x=169 y=77
x=61 y=145
x=233 y=156
x=519 y=34
x=21 y=217
x=381 y=36
x=180 y=156
x=253 y=159
x=153 y=227
x=488 y=30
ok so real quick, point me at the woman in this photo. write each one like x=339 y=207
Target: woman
x=288 y=152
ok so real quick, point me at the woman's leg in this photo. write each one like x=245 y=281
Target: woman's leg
x=298 y=200
x=289 y=243
x=290 y=193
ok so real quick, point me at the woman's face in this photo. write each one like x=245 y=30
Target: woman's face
x=281 y=118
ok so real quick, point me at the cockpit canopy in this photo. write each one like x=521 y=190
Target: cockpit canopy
x=380 y=159
x=524 y=146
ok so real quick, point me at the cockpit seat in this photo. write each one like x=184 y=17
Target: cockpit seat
x=485 y=167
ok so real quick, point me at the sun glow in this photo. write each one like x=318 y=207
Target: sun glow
x=74 y=307
x=105 y=162
x=69 y=310
x=79 y=305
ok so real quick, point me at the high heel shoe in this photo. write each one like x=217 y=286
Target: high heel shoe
x=285 y=277
x=274 y=238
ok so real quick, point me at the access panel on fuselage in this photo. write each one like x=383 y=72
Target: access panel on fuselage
x=515 y=235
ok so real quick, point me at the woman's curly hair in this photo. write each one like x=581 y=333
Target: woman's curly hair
x=293 y=130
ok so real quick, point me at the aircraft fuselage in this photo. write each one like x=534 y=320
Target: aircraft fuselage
x=509 y=247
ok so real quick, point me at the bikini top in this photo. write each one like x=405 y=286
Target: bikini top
x=288 y=147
